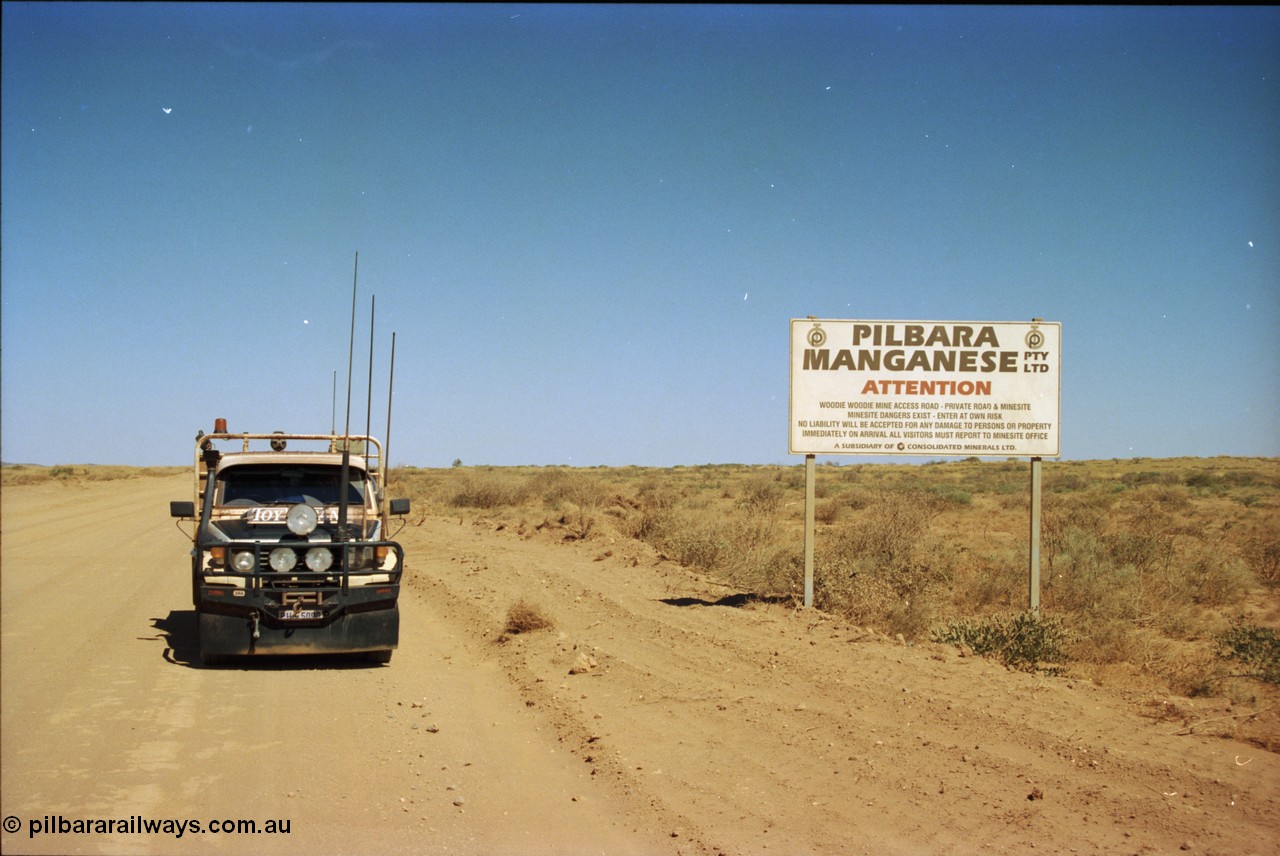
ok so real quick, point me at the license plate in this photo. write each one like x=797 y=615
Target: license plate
x=301 y=614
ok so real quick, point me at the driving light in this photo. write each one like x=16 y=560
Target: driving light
x=302 y=519
x=319 y=559
x=282 y=559
x=243 y=561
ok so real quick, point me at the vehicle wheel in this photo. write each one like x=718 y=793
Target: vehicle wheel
x=378 y=656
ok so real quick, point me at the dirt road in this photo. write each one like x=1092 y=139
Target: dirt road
x=661 y=714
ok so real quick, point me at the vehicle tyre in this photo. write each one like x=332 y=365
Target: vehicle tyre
x=378 y=656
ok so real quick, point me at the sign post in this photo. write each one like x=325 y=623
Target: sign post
x=808 y=529
x=1034 y=602
x=934 y=388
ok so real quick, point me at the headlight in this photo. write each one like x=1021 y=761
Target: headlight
x=243 y=561
x=282 y=559
x=302 y=519
x=319 y=559
x=359 y=558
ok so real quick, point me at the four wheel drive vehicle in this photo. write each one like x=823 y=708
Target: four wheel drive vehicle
x=291 y=550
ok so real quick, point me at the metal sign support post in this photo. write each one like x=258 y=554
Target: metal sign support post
x=808 y=529
x=1035 y=535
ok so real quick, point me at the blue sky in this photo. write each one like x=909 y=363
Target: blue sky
x=589 y=227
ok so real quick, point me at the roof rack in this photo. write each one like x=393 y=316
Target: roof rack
x=363 y=445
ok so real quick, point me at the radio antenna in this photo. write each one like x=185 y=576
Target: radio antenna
x=368 y=406
x=386 y=449
x=346 y=431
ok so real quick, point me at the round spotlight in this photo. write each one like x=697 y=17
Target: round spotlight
x=319 y=559
x=277 y=443
x=282 y=559
x=302 y=519
x=243 y=561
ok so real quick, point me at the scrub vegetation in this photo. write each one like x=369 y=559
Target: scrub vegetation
x=22 y=474
x=1155 y=574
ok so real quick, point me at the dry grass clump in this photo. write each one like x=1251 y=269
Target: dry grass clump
x=525 y=617
x=488 y=490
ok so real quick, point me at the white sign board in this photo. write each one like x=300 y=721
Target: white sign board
x=924 y=388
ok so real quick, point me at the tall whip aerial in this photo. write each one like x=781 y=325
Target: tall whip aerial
x=342 y=533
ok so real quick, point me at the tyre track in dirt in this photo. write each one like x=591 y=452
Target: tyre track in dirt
x=768 y=729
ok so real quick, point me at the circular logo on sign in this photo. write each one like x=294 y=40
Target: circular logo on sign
x=817 y=336
x=1035 y=339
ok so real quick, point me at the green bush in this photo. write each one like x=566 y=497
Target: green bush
x=1257 y=648
x=1022 y=641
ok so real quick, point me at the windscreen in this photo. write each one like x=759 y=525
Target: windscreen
x=271 y=484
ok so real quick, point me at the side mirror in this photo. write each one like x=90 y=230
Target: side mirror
x=399 y=506
x=182 y=508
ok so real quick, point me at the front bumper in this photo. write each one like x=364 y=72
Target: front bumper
x=232 y=634
x=349 y=608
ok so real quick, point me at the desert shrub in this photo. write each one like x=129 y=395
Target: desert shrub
x=488 y=491
x=1023 y=640
x=525 y=617
x=1085 y=579
x=557 y=486
x=1263 y=554
x=1146 y=477
x=880 y=569
x=1145 y=547
x=893 y=527
x=423 y=487
x=762 y=495
x=773 y=570
x=1060 y=515
x=828 y=511
x=578 y=496
x=995 y=579
x=1103 y=639
x=1215 y=576
x=1257 y=648
x=1065 y=483
x=859 y=498
x=952 y=495
x=655 y=513
x=852 y=580
x=696 y=546
x=894 y=602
